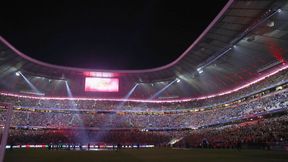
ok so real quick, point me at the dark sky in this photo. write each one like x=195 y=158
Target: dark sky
x=134 y=34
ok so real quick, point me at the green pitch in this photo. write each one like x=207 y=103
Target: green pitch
x=146 y=155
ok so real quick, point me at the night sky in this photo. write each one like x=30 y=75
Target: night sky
x=107 y=34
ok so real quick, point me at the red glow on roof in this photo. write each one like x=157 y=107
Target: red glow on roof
x=276 y=51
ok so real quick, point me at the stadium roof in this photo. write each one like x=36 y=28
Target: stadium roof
x=245 y=39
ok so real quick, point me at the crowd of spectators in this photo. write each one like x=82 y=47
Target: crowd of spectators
x=36 y=119
x=262 y=132
x=26 y=117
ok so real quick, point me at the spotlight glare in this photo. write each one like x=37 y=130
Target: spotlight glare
x=17 y=73
x=279 y=10
x=200 y=70
x=178 y=80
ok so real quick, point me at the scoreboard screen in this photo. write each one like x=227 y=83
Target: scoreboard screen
x=93 y=84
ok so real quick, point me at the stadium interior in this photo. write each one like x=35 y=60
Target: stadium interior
x=229 y=89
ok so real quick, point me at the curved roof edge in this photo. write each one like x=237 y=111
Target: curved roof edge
x=227 y=5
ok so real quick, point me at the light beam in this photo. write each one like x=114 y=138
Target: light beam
x=162 y=90
x=29 y=83
x=82 y=137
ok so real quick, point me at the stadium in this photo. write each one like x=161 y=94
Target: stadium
x=223 y=99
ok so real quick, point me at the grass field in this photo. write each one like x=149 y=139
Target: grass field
x=146 y=155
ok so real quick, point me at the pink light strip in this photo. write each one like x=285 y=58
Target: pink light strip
x=285 y=66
